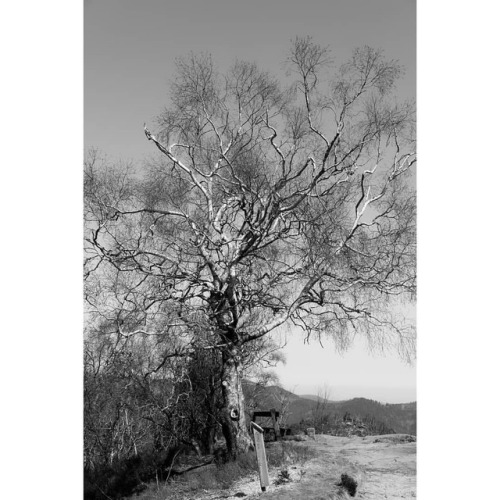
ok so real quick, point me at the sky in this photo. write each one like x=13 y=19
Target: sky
x=312 y=368
x=130 y=48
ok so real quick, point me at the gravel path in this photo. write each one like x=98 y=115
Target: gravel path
x=383 y=466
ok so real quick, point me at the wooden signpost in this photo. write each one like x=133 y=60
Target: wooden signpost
x=258 y=434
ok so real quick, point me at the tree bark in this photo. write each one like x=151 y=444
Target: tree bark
x=234 y=426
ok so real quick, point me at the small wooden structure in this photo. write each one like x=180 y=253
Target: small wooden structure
x=273 y=415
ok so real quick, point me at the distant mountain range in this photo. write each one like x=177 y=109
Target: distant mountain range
x=399 y=418
x=313 y=397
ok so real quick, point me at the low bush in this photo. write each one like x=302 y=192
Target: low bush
x=124 y=477
x=283 y=477
x=349 y=484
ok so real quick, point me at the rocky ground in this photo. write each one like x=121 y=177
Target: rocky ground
x=383 y=467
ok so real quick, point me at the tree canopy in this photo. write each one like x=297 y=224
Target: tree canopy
x=269 y=205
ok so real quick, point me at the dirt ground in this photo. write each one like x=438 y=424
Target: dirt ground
x=383 y=466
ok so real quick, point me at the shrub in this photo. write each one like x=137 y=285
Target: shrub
x=124 y=477
x=283 y=477
x=349 y=484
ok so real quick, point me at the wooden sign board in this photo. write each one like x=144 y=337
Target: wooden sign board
x=258 y=434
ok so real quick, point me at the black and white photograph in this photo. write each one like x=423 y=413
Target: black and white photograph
x=222 y=275
x=249 y=250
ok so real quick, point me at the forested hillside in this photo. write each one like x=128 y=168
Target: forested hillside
x=398 y=418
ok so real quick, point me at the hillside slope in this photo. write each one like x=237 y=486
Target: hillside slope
x=398 y=418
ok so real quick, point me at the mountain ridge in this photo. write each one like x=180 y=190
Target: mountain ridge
x=298 y=410
x=315 y=397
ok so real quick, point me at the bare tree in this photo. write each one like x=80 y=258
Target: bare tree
x=283 y=401
x=269 y=206
x=321 y=412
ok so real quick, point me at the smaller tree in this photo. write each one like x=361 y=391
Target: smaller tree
x=282 y=405
x=321 y=413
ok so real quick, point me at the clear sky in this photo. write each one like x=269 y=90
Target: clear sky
x=130 y=47
x=311 y=368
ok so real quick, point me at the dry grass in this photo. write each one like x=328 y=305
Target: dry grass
x=215 y=478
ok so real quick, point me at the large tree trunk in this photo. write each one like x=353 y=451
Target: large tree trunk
x=234 y=425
